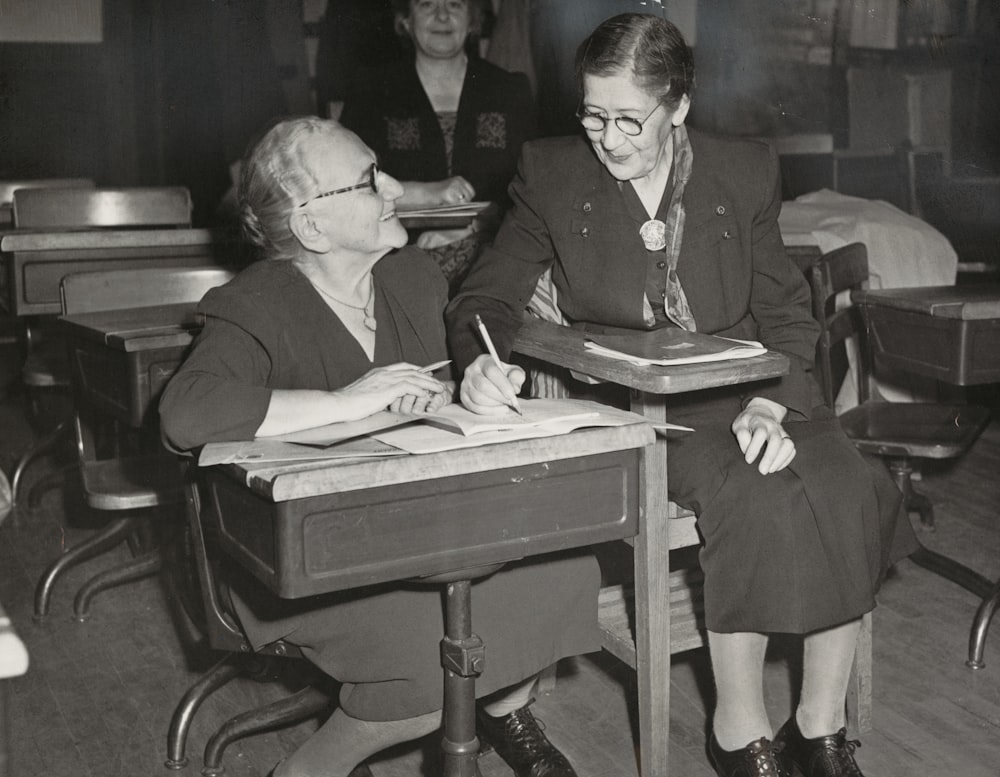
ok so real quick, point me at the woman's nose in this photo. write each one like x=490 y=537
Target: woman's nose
x=612 y=137
x=389 y=187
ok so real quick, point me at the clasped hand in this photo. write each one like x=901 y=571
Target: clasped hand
x=401 y=387
x=758 y=428
x=488 y=389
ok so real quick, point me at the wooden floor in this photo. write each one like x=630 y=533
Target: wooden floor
x=98 y=697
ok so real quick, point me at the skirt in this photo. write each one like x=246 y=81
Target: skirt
x=382 y=643
x=798 y=550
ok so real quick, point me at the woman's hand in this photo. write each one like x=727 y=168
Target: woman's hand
x=401 y=387
x=488 y=389
x=424 y=404
x=758 y=428
x=454 y=190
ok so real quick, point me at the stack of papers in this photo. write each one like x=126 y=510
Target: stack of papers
x=672 y=346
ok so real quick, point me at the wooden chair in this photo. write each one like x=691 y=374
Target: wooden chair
x=78 y=208
x=899 y=432
x=222 y=633
x=122 y=469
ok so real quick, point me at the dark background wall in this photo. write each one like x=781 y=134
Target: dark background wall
x=178 y=87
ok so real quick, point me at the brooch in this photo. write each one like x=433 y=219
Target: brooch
x=654 y=235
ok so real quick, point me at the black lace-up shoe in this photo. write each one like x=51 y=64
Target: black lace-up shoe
x=829 y=756
x=518 y=740
x=761 y=758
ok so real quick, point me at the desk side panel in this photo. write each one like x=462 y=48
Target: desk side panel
x=338 y=541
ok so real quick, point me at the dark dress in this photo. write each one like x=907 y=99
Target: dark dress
x=795 y=551
x=269 y=329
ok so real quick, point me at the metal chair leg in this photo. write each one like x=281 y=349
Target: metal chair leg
x=114 y=533
x=291 y=709
x=147 y=564
x=33 y=453
x=980 y=626
x=180 y=723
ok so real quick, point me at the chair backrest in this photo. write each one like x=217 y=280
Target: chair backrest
x=831 y=279
x=7 y=188
x=87 y=292
x=80 y=208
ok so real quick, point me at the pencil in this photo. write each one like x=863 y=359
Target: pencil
x=488 y=342
x=434 y=367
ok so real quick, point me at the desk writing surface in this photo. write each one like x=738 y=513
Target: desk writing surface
x=283 y=482
x=132 y=329
x=564 y=346
x=967 y=303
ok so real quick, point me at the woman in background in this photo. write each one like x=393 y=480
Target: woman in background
x=327 y=328
x=446 y=123
x=645 y=224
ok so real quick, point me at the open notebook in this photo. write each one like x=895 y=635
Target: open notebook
x=452 y=427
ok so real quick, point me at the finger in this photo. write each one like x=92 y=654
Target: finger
x=757 y=439
x=778 y=456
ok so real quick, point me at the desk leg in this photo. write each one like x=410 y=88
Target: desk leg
x=463 y=658
x=652 y=598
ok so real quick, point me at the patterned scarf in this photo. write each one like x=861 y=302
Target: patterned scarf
x=675 y=302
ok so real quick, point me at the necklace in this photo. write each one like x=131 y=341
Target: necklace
x=368 y=308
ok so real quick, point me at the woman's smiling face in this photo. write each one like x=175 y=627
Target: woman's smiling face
x=439 y=27
x=361 y=220
x=628 y=157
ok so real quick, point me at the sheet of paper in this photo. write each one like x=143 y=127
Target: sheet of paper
x=334 y=433
x=269 y=451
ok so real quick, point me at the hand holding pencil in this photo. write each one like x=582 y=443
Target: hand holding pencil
x=490 y=386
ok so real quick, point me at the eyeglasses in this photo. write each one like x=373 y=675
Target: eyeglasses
x=371 y=182
x=594 y=122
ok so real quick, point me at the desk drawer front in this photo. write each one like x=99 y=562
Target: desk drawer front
x=963 y=352
x=377 y=535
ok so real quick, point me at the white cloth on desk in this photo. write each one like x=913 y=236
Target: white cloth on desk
x=902 y=251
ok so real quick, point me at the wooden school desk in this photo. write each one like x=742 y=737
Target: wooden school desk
x=445 y=517
x=951 y=334
x=649 y=654
x=123 y=358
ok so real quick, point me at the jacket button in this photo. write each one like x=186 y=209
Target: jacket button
x=587 y=207
x=585 y=232
x=726 y=235
x=720 y=210
x=660 y=265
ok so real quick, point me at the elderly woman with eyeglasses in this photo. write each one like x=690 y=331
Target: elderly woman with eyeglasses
x=334 y=324
x=644 y=223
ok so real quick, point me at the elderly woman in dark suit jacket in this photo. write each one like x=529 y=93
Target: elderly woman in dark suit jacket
x=646 y=224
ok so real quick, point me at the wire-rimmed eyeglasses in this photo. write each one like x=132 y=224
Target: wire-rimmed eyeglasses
x=371 y=182
x=594 y=122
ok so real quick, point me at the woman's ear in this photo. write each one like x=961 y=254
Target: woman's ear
x=306 y=230
x=682 y=111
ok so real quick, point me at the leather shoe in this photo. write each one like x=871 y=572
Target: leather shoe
x=761 y=758
x=519 y=740
x=829 y=756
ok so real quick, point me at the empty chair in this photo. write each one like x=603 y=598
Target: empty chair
x=899 y=432
x=123 y=469
x=78 y=208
